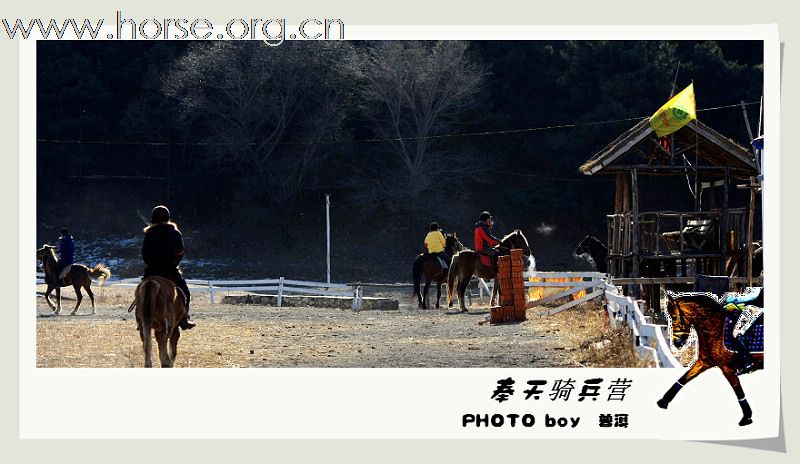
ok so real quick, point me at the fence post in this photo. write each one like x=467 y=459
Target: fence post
x=360 y=296
x=280 y=292
x=354 y=306
x=211 y=291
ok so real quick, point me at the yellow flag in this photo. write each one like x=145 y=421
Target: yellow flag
x=675 y=113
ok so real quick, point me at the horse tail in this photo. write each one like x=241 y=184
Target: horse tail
x=452 y=275
x=100 y=272
x=147 y=299
x=418 y=273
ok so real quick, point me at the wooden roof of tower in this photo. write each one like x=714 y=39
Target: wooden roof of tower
x=713 y=148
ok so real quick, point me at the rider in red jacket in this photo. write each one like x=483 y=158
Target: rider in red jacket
x=484 y=239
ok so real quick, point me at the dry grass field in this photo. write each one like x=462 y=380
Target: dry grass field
x=261 y=336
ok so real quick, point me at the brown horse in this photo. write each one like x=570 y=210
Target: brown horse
x=707 y=316
x=78 y=276
x=159 y=308
x=467 y=263
x=427 y=266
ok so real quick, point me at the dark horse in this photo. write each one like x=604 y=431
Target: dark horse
x=596 y=251
x=427 y=266
x=707 y=316
x=78 y=276
x=467 y=263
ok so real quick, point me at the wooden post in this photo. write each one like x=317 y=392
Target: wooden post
x=697 y=197
x=750 y=219
x=328 y=236
x=724 y=223
x=635 y=232
x=280 y=292
x=211 y=291
x=747 y=123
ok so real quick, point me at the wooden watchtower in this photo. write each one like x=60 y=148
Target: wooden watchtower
x=704 y=237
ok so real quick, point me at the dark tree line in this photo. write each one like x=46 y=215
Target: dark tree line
x=243 y=139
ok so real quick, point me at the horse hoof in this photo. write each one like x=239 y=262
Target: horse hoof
x=662 y=404
x=745 y=421
x=464 y=310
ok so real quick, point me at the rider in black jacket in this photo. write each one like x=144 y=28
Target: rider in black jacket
x=162 y=251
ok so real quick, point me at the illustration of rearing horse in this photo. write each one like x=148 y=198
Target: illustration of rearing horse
x=467 y=263
x=427 y=266
x=159 y=308
x=708 y=317
x=78 y=276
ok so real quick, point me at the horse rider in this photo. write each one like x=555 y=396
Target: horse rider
x=162 y=251
x=66 y=255
x=751 y=305
x=435 y=245
x=484 y=239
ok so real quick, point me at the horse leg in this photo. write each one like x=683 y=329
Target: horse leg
x=733 y=379
x=696 y=369
x=438 y=293
x=450 y=286
x=425 y=293
x=147 y=344
x=47 y=298
x=493 y=301
x=58 y=300
x=79 y=295
x=173 y=345
x=163 y=349
x=88 y=289
x=462 y=289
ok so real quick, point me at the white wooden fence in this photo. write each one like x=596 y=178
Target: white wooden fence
x=573 y=282
x=280 y=287
x=650 y=340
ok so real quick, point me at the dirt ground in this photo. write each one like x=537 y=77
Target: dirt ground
x=261 y=336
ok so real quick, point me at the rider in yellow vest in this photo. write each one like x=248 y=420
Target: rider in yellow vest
x=435 y=243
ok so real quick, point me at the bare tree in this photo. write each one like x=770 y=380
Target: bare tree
x=265 y=110
x=414 y=92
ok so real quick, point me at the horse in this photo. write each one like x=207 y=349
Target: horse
x=596 y=252
x=467 y=263
x=705 y=313
x=426 y=266
x=78 y=276
x=159 y=308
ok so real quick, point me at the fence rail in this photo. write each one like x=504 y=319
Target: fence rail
x=280 y=286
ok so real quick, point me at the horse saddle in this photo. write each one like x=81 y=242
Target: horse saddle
x=753 y=296
x=737 y=322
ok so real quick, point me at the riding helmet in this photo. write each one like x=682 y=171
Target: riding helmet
x=434 y=226
x=485 y=215
x=160 y=214
x=64 y=231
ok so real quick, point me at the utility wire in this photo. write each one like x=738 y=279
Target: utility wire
x=374 y=140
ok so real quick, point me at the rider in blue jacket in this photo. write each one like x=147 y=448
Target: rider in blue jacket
x=66 y=252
